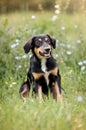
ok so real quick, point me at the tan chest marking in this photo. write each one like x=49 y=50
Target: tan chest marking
x=45 y=75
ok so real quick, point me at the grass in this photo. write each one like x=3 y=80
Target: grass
x=70 y=32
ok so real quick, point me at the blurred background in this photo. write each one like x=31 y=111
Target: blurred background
x=69 y=6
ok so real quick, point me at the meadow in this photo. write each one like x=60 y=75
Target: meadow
x=70 y=33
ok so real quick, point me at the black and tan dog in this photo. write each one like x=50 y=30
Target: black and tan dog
x=43 y=72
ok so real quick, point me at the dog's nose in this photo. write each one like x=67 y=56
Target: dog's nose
x=47 y=49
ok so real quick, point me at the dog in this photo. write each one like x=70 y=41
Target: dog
x=43 y=74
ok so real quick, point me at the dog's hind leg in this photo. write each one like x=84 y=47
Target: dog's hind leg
x=24 y=90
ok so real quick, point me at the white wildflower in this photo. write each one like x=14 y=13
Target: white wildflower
x=11 y=86
x=69 y=52
x=80 y=63
x=56 y=6
x=17 y=41
x=78 y=41
x=19 y=67
x=33 y=17
x=68 y=46
x=84 y=62
x=82 y=68
x=13 y=46
x=24 y=56
x=57 y=12
x=57 y=40
x=75 y=26
x=13 y=83
x=54 y=18
x=17 y=58
x=62 y=28
x=56 y=55
x=79 y=98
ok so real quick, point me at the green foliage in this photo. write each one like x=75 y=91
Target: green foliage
x=69 y=6
x=70 y=32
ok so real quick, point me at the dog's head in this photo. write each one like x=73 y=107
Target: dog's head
x=41 y=45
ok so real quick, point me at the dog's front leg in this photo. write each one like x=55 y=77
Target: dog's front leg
x=56 y=92
x=40 y=92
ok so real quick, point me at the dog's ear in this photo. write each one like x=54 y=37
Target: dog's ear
x=53 y=41
x=29 y=45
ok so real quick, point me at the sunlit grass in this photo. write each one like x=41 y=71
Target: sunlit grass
x=70 y=32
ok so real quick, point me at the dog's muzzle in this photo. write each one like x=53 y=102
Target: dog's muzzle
x=46 y=52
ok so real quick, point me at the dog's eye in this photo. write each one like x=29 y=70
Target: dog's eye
x=47 y=40
x=38 y=42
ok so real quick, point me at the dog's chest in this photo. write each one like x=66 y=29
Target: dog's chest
x=44 y=69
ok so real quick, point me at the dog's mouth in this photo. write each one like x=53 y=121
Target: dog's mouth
x=45 y=54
